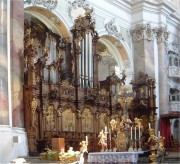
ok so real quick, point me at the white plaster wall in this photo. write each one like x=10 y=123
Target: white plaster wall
x=10 y=150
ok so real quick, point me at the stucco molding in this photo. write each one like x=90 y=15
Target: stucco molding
x=142 y=32
x=112 y=30
x=49 y=4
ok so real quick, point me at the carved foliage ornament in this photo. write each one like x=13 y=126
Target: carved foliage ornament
x=79 y=8
x=80 y=3
x=143 y=79
x=162 y=34
x=49 y=4
x=112 y=30
x=142 y=31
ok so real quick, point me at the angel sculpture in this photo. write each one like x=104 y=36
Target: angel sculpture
x=103 y=140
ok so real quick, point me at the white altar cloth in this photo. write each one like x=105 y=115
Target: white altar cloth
x=114 y=157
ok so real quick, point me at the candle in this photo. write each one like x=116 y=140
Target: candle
x=86 y=138
x=139 y=132
x=135 y=133
x=105 y=128
x=159 y=134
x=110 y=134
x=131 y=133
x=149 y=125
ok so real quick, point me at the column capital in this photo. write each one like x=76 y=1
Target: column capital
x=162 y=34
x=142 y=32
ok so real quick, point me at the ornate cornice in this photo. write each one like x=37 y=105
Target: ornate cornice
x=49 y=4
x=112 y=29
x=142 y=31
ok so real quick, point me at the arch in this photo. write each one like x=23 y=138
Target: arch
x=175 y=128
x=120 y=52
x=121 y=46
x=53 y=20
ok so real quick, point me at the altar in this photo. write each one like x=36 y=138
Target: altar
x=115 y=157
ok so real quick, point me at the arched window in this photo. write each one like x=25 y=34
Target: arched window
x=170 y=61
x=176 y=61
x=174 y=94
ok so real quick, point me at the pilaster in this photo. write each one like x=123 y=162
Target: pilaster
x=162 y=37
x=143 y=42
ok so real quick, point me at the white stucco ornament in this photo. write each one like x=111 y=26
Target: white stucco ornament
x=78 y=8
x=49 y=4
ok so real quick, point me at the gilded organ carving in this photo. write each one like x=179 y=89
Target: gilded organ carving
x=61 y=84
x=68 y=120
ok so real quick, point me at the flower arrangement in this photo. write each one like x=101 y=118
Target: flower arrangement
x=69 y=156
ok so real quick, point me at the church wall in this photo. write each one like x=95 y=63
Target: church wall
x=13 y=143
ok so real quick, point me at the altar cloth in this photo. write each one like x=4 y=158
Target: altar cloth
x=113 y=157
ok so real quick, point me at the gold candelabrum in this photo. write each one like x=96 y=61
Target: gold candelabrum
x=103 y=139
x=156 y=146
x=161 y=148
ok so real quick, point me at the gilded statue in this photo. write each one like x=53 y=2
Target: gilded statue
x=113 y=124
x=138 y=122
x=152 y=138
x=34 y=105
x=161 y=143
x=83 y=146
x=103 y=140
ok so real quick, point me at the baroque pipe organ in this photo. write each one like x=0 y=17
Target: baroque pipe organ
x=63 y=96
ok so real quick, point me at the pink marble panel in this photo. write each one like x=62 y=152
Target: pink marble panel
x=17 y=46
x=4 y=114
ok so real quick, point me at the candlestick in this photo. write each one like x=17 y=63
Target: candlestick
x=131 y=133
x=139 y=132
x=135 y=133
x=110 y=134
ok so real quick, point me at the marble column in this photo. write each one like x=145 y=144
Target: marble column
x=162 y=37
x=143 y=44
x=4 y=109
